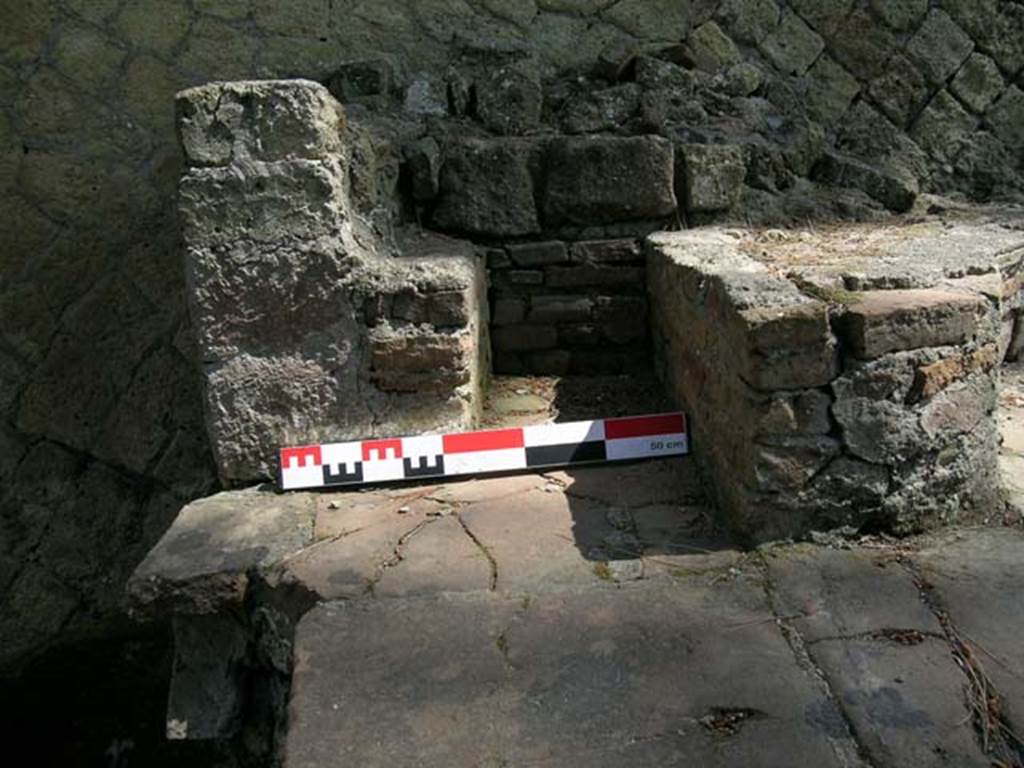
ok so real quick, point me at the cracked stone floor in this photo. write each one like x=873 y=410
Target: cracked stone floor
x=596 y=617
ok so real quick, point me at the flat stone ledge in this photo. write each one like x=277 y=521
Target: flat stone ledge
x=203 y=562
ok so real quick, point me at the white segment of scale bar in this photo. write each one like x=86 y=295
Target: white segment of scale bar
x=471 y=462
x=561 y=434
x=639 y=447
x=310 y=476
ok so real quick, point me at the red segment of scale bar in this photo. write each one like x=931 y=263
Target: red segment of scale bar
x=303 y=456
x=644 y=426
x=487 y=440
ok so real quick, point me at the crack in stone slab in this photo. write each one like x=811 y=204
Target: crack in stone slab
x=397 y=553
x=899 y=636
x=859 y=755
x=484 y=549
x=996 y=736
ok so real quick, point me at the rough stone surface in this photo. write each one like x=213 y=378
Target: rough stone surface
x=487 y=188
x=978 y=82
x=295 y=313
x=509 y=101
x=792 y=46
x=608 y=178
x=939 y=46
x=712 y=176
x=1006 y=117
x=972 y=581
x=92 y=306
x=499 y=661
x=891 y=321
x=914 y=398
x=202 y=562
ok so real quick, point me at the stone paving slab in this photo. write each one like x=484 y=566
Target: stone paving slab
x=650 y=674
x=829 y=593
x=905 y=702
x=514 y=533
x=863 y=620
x=977 y=576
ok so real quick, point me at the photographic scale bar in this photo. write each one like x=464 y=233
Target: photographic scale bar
x=365 y=462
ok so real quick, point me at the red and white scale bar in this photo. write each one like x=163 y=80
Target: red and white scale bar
x=495 y=450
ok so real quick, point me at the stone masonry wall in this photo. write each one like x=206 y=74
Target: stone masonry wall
x=310 y=328
x=814 y=407
x=559 y=308
x=101 y=432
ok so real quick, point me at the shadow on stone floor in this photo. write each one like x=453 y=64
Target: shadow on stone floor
x=648 y=512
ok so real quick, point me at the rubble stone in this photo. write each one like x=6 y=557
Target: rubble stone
x=424 y=161
x=372 y=82
x=602 y=110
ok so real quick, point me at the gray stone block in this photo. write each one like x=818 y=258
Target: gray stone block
x=749 y=21
x=508 y=311
x=596 y=275
x=943 y=127
x=602 y=179
x=559 y=309
x=600 y=110
x=372 y=82
x=509 y=100
x=262 y=119
x=1007 y=117
x=486 y=188
x=978 y=83
x=900 y=91
x=524 y=338
x=997 y=27
x=792 y=46
x=831 y=90
x=939 y=47
x=711 y=175
x=825 y=16
x=896 y=190
x=711 y=49
x=270 y=202
x=901 y=15
x=607 y=251
x=862 y=45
